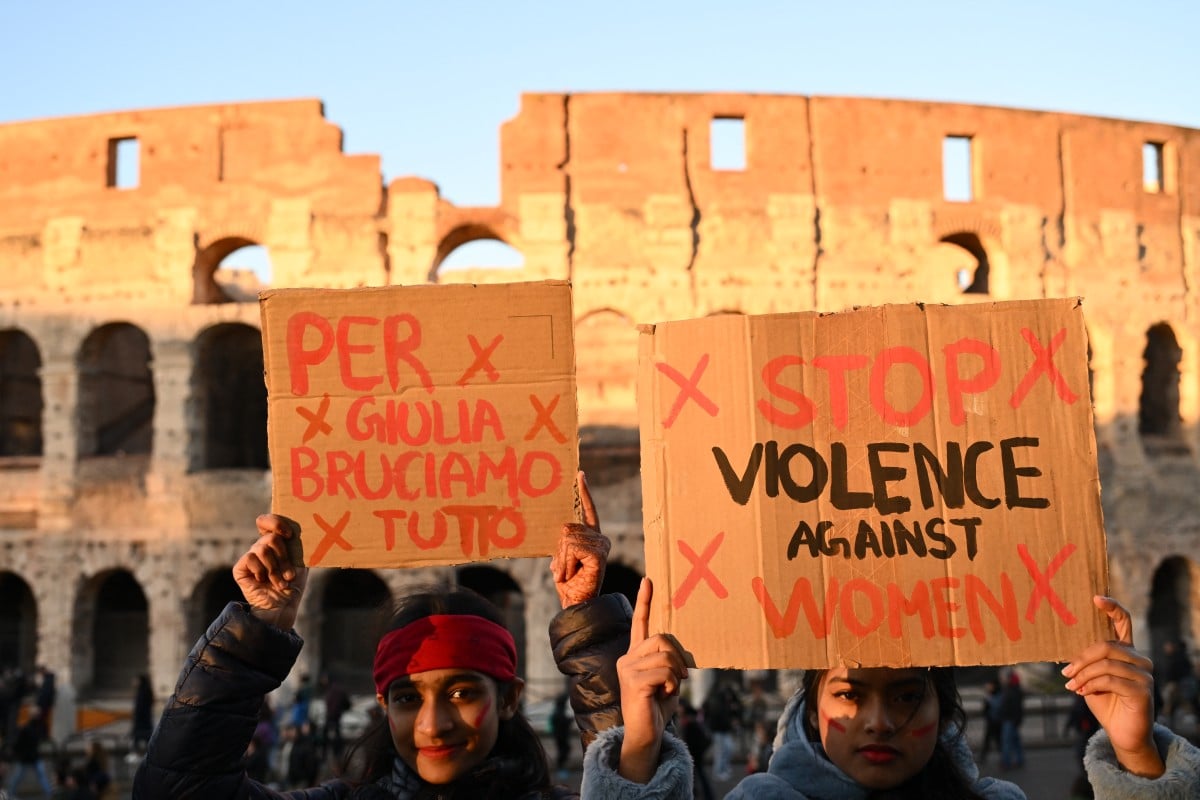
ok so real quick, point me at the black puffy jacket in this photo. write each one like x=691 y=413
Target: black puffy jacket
x=196 y=750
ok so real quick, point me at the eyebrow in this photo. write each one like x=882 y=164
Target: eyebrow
x=457 y=677
x=903 y=682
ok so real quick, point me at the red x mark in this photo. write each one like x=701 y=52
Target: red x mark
x=333 y=535
x=700 y=569
x=544 y=419
x=482 y=360
x=316 y=421
x=1043 y=362
x=1042 y=583
x=688 y=387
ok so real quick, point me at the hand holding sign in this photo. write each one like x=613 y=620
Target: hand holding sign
x=1118 y=683
x=269 y=579
x=650 y=675
x=578 y=564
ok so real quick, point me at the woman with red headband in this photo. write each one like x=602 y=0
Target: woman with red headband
x=445 y=676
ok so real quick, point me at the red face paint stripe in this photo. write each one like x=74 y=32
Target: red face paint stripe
x=924 y=731
x=487 y=708
x=833 y=723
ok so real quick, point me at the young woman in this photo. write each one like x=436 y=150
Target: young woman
x=445 y=677
x=897 y=733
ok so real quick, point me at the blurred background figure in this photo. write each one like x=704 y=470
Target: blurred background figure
x=143 y=714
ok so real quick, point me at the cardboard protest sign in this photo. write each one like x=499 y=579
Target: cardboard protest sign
x=422 y=425
x=903 y=485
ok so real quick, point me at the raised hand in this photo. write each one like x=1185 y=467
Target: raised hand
x=582 y=555
x=650 y=674
x=1118 y=684
x=269 y=581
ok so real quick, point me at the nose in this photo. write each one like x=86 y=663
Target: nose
x=877 y=718
x=434 y=718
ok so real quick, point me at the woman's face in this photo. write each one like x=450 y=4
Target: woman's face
x=445 y=722
x=879 y=726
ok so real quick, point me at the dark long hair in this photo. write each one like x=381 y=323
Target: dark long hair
x=517 y=763
x=941 y=779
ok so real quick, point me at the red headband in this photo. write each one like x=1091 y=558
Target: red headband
x=445 y=641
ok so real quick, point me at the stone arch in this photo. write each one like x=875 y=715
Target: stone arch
x=1169 y=616
x=112 y=634
x=116 y=392
x=505 y=593
x=355 y=606
x=229 y=399
x=206 y=288
x=215 y=589
x=18 y=623
x=621 y=579
x=465 y=233
x=975 y=279
x=1159 y=420
x=21 y=400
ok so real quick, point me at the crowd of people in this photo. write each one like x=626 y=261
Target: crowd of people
x=448 y=720
x=27 y=752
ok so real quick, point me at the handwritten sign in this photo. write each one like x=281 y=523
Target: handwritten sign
x=422 y=425
x=903 y=485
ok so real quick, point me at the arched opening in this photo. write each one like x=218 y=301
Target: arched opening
x=506 y=595
x=971 y=275
x=244 y=273
x=116 y=392
x=620 y=579
x=18 y=624
x=231 y=270
x=20 y=395
x=1170 y=614
x=471 y=247
x=117 y=660
x=1159 y=421
x=356 y=605
x=215 y=590
x=230 y=399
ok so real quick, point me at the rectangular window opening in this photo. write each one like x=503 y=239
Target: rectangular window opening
x=727 y=144
x=1152 y=167
x=957 y=169
x=124 y=156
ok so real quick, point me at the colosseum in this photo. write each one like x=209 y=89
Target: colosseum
x=133 y=453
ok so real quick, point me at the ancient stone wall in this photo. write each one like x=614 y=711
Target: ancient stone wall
x=839 y=202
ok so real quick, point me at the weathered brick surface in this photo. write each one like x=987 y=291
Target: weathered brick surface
x=840 y=204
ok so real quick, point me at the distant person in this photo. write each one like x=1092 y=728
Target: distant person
x=47 y=694
x=1081 y=724
x=761 y=748
x=27 y=753
x=722 y=714
x=304 y=758
x=990 y=711
x=1012 y=713
x=96 y=774
x=337 y=703
x=13 y=687
x=302 y=701
x=143 y=713
x=1176 y=677
x=697 y=739
x=562 y=729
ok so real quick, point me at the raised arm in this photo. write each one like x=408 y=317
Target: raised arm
x=651 y=674
x=196 y=750
x=1118 y=684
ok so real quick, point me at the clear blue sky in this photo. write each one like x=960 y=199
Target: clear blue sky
x=427 y=84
